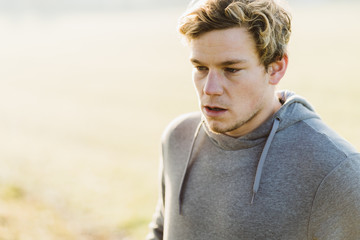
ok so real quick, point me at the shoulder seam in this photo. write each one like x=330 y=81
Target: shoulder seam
x=345 y=160
x=327 y=137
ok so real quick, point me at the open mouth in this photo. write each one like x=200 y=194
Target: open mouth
x=215 y=109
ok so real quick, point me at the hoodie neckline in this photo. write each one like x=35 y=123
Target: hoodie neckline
x=252 y=139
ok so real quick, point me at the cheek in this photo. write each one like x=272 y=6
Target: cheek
x=247 y=94
x=198 y=83
x=252 y=83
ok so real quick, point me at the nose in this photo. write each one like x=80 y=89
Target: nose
x=213 y=84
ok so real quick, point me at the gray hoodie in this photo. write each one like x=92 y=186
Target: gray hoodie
x=291 y=178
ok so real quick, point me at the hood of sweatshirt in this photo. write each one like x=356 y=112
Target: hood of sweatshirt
x=294 y=109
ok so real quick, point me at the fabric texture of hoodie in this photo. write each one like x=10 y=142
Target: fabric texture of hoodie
x=291 y=178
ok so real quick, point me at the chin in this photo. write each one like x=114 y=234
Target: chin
x=223 y=128
x=217 y=128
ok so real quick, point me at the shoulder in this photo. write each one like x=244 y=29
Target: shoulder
x=327 y=139
x=320 y=149
x=343 y=181
x=340 y=185
x=336 y=207
x=182 y=127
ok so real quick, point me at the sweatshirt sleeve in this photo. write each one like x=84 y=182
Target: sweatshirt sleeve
x=157 y=223
x=336 y=207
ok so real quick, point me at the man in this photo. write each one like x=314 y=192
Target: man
x=255 y=163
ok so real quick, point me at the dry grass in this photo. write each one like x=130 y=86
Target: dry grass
x=84 y=99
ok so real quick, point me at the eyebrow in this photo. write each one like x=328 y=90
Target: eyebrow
x=226 y=63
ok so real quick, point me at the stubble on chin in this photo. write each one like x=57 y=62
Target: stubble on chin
x=216 y=127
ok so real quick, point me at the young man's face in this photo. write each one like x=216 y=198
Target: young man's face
x=233 y=87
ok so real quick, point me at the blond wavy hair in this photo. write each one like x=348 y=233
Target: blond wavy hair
x=266 y=20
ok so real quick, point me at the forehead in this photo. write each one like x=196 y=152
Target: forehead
x=222 y=45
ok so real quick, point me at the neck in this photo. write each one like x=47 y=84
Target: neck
x=257 y=119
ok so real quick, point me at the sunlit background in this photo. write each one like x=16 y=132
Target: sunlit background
x=87 y=87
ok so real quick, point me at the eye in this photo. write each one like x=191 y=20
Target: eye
x=232 y=70
x=201 y=68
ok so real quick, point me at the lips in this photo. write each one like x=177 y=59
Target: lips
x=215 y=108
x=214 y=111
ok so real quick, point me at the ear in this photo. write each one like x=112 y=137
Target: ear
x=277 y=69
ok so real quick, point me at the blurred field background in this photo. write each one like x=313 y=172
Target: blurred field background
x=86 y=91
